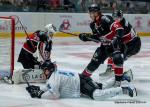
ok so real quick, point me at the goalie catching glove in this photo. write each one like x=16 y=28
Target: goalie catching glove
x=34 y=91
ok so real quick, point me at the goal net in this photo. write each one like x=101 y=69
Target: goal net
x=7 y=42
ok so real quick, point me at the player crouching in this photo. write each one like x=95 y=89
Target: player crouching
x=63 y=84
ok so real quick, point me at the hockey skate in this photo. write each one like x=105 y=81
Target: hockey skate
x=128 y=76
x=129 y=90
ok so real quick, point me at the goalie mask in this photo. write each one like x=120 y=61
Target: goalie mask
x=48 y=68
x=50 y=29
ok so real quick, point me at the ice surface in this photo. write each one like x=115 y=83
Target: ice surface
x=72 y=54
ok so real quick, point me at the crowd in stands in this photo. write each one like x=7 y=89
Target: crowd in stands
x=128 y=6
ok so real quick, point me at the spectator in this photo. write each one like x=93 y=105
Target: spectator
x=26 y=5
x=68 y=5
x=55 y=3
x=41 y=4
x=130 y=8
x=83 y=6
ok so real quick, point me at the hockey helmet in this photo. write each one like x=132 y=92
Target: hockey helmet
x=42 y=35
x=48 y=67
x=117 y=14
x=50 y=29
x=94 y=8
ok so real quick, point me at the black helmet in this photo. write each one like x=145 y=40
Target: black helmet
x=117 y=14
x=42 y=35
x=48 y=65
x=94 y=8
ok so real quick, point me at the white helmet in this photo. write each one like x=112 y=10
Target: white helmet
x=50 y=29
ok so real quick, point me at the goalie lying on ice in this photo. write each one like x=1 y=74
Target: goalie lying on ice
x=63 y=84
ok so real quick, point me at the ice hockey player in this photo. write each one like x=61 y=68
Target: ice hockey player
x=65 y=84
x=130 y=39
x=35 y=42
x=110 y=34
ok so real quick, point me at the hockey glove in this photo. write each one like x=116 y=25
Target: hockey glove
x=84 y=37
x=34 y=91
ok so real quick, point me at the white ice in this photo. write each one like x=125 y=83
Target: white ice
x=72 y=54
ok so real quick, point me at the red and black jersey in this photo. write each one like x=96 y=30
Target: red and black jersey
x=106 y=28
x=32 y=41
x=129 y=33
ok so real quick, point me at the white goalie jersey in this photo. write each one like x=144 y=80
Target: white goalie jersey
x=62 y=84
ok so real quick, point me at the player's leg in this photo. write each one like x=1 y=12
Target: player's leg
x=98 y=58
x=118 y=69
x=94 y=90
x=26 y=59
x=133 y=47
x=112 y=92
x=127 y=76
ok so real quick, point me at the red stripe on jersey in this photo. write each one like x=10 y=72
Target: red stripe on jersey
x=32 y=37
x=128 y=37
x=110 y=61
x=26 y=47
x=115 y=26
x=86 y=73
x=110 y=35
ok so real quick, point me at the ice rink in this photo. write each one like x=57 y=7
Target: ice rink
x=72 y=54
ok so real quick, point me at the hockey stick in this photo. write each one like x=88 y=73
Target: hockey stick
x=94 y=40
x=103 y=40
x=97 y=41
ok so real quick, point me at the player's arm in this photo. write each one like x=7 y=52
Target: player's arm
x=34 y=91
x=42 y=92
x=47 y=50
x=50 y=90
x=89 y=36
x=117 y=40
x=32 y=44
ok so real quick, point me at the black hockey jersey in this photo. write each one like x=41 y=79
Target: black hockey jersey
x=32 y=41
x=129 y=33
x=107 y=28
